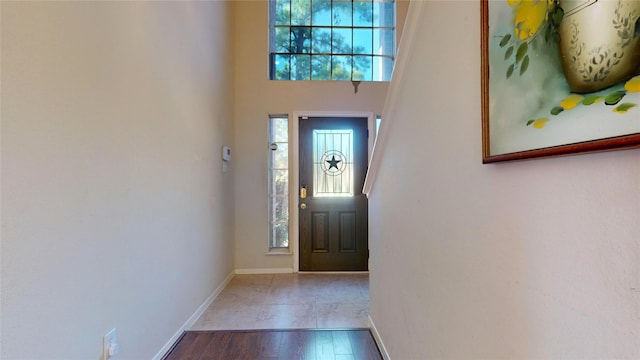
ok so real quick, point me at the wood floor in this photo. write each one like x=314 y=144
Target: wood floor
x=353 y=344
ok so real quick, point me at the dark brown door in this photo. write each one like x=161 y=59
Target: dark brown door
x=332 y=207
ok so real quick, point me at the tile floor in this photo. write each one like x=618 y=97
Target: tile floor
x=290 y=301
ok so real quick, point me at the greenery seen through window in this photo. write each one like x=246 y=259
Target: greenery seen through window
x=331 y=39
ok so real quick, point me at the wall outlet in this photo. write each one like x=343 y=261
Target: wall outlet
x=110 y=346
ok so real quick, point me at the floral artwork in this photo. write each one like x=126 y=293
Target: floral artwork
x=559 y=77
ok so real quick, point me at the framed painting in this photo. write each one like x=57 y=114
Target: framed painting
x=559 y=77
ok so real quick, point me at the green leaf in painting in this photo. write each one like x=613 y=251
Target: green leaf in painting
x=557 y=16
x=508 y=53
x=530 y=122
x=557 y=110
x=614 y=97
x=624 y=107
x=522 y=51
x=510 y=70
x=524 y=65
x=547 y=33
x=505 y=40
x=590 y=99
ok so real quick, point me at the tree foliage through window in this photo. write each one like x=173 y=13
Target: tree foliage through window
x=278 y=182
x=331 y=39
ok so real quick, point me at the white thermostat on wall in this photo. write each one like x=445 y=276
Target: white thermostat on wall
x=226 y=153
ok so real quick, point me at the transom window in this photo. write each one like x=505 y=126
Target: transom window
x=331 y=39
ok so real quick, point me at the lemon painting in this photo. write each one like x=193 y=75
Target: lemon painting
x=561 y=72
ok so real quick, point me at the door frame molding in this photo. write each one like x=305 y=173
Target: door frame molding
x=294 y=170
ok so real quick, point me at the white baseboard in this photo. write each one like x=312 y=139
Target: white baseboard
x=265 y=271
x=193 y=318
x=378 y=339
x=334 y=272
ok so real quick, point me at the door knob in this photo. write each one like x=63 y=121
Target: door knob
x=303 y=206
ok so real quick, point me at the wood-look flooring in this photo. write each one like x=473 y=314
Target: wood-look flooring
x=352 y=344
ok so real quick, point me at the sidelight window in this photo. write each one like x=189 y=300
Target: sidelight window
x=278 y=182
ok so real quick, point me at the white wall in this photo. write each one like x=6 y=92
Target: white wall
x=536 y=259
x=255 y=98
x=115 y=211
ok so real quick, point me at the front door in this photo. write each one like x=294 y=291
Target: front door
x=333 y=209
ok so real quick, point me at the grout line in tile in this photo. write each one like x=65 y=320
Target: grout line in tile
x=315 y=301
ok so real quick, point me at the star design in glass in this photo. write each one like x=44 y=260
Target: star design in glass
x=333 y=163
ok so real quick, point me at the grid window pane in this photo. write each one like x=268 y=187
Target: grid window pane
x=321 y=40
x=341 y=68
x=300 y=40
x=281 y=156
x=341 y=13
x=281 y=209
x=300 y=67
x=280 y=181
x=282 y=39
x=279 y=130
x=383 y=13
x=280 y=235
x=383 y=42
x=341 y=41
x=282 y=12
x=362 y=68
x=382 y=68
x=321 y=67
x=362 y=13
x=281 y=66
x=300 y=12
x=321 y=12
x=362 y=41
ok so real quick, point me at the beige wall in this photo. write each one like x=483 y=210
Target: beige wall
x=115 y=211
x=255 y=98
x=525 y=260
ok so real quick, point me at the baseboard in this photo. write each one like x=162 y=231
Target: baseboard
x=304 y=272
x=378 y=339
x=193 y=318
x=290 y=271
x=265 y=271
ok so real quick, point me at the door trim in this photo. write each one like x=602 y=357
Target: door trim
x=294 y=175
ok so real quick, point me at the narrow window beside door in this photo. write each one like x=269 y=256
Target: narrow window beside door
x=278 y=183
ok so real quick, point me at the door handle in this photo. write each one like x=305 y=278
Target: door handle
x=303 y=206
x=303 y=192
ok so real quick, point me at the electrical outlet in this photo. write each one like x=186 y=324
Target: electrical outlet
x=110 y=345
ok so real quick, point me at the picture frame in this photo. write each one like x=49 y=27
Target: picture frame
x=548 y=84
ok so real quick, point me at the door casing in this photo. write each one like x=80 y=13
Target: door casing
x=294 y=153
